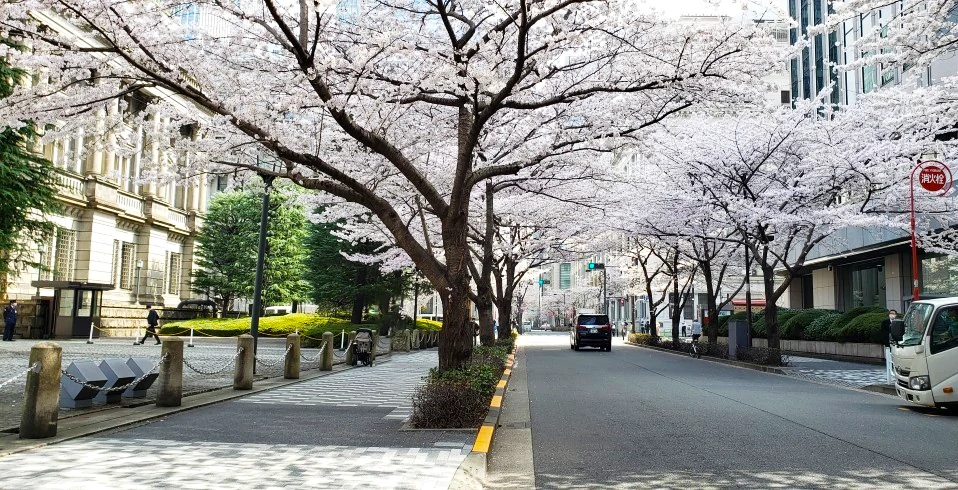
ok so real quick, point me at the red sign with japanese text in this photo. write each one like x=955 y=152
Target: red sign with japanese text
x=932 y=178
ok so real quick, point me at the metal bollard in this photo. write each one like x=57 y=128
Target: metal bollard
x=327 y=362
x=243 y=376
x=350 y=355
x=170 y=383
x=41 y=395
x=291 y=370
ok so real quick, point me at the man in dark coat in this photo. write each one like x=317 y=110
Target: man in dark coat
x=152 y=321
x=9 y=320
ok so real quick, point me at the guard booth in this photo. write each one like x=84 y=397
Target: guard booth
x=75 y=309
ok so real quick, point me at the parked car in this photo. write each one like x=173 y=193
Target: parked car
x=591 y=330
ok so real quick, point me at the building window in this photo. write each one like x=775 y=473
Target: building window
x=939 y=276
x=65 y=263
x=786 y=97
x=944 y=333
x=175 y=266
x=115 y=264
x=864 y=285
x=127 y=265
x=565 y=275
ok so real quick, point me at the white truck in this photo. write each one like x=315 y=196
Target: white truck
x=925 y=353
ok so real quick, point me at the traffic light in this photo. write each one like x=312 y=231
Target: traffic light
x=596 y=265
x=542 y=281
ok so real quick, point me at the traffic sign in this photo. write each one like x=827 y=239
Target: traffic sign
x=932 y=178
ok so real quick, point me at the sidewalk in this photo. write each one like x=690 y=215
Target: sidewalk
x=209 y=354
x=842 y=373
x=339 y=429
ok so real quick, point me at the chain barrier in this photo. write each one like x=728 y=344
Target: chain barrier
x=115 y=388
x=343 y=355
x=318 y=356
x=226 y=366
x=278 y=360
x=35 y=368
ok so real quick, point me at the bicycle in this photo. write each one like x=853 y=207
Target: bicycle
x=696 y=349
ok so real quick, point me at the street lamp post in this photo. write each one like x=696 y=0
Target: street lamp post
x=136 y=283
x=260 y=261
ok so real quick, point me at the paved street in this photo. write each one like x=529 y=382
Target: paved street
x=637 y=418
x=208 y=355
x=274 y=440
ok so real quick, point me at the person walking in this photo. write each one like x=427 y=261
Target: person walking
x=9 y=320
x=886 y=337
x=625 y=329
x=152 y=321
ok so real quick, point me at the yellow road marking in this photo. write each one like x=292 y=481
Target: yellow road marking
x=507 y=372
x=483 y=440
x=501 y=384
x=496 y=401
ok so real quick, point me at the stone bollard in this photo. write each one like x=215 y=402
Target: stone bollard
x=375 y=347
x=416 y=339
x=291 y=370
x=408 y=342
x=41 y=396
x=170 y=383
x=350 y=355
x=327 y=362
x=243 y=376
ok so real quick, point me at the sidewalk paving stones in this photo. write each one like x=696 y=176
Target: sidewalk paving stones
x=842 y=373
x=273 y=439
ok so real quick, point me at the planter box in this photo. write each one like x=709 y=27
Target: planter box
x=847 y=349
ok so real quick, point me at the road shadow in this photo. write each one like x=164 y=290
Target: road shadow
x=905 y=478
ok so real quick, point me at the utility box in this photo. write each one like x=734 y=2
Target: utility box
x=75 y=395
x=140 y=366
x=738 y=337
x=117 y=374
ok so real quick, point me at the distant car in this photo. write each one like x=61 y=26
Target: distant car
x=591 y=330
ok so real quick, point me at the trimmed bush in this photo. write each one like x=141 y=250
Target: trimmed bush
x=865 y=328
x=794 y=328
x=762 y=356
x=818 y=328
x=432 y=325
x=459 y=398
x=310 y=326
x=758 y=326
x=853 y=313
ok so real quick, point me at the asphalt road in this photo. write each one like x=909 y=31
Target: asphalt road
x=638 y=418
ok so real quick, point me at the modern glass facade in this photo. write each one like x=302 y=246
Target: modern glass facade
x=811 y=72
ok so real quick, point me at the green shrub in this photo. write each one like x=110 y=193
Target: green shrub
x=851 y=314
x=640 y=338
x=818 y=328
x=424 y=324
x=865 y=328
x=758 y=325
x=446 y=404
x=794 y=328
x=308 y=325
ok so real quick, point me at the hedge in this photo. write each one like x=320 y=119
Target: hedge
x=310 y=326
x=861 y=324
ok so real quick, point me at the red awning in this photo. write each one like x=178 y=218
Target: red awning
x=755 y=302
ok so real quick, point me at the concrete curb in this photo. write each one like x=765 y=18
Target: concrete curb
x=472 y=471
x=755 y=367
x=111 y=419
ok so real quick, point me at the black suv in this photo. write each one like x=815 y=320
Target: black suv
x=591 y=330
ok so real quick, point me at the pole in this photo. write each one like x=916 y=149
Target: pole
x=748 y=290
x=914 y=241
x=260 y=260
x=415 y=301
x=539 y=309
x=90 y=340
x=605 y=292
x=191 y=338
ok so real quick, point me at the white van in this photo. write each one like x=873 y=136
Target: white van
x=925 y=353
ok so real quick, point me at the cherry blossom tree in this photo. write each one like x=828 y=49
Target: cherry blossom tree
x=392 y=105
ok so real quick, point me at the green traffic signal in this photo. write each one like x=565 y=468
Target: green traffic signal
x=591 y=265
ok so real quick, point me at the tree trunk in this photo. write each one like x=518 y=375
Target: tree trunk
x=505 y=316
x=484 y=307
x=771 y=312
x=359 y=299
x=712 y=327
x=676 y=302
x=455 y=344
